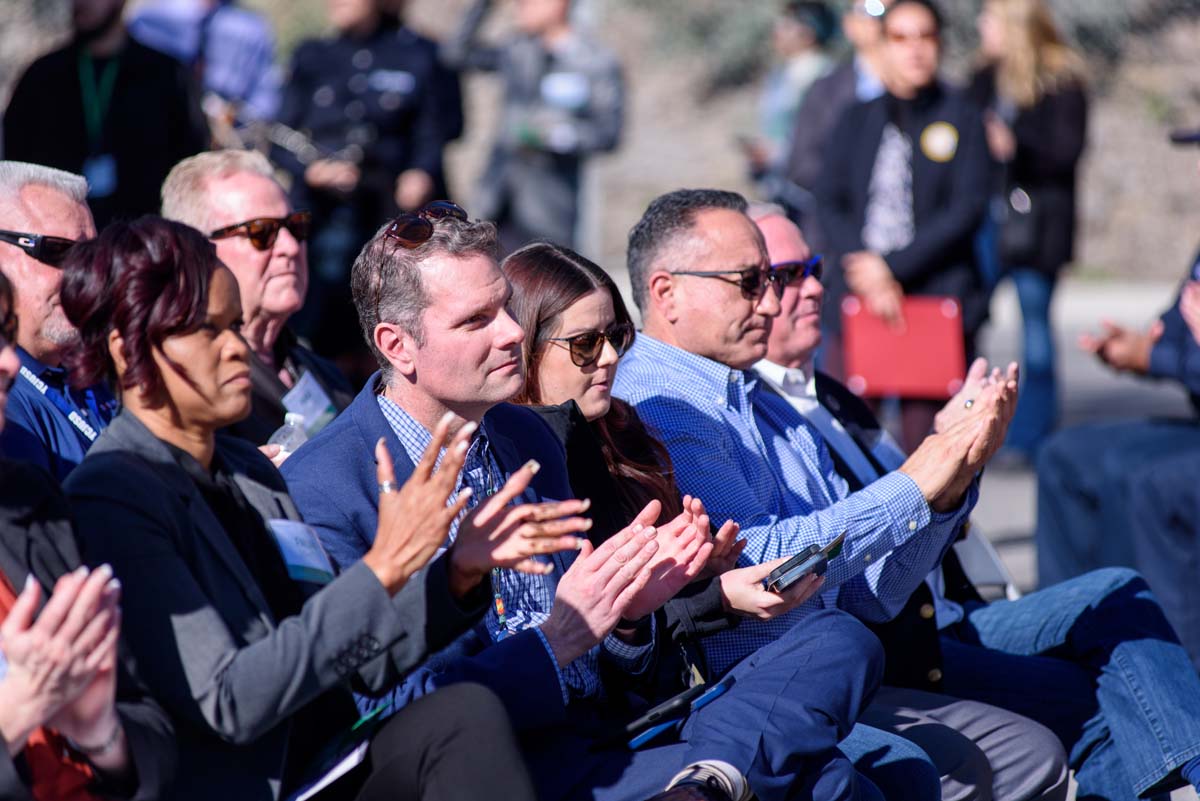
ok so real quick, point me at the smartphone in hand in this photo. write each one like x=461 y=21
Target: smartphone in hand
x=812 y=560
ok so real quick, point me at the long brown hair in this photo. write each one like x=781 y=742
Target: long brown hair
x=546 y=279
x=1038 y=60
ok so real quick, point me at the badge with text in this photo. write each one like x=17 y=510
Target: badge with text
x=939 y=141
x=302 y=551
x=101 y=174
x=309 y=399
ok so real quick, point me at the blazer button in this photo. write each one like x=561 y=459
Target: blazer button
x=934 y=676
x=927 y=611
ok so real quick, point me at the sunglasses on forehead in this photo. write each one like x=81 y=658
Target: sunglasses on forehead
x=49 y=250
x=414 y=228
x=586 y=348
x=262 y=231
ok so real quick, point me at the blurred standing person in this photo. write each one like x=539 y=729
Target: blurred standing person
x=855 y=80
x=231 y=49
x=563 y=100
x=802 y=29
x=902 y=193
x=83 y=109
x=1032 y=87
x=366 y=135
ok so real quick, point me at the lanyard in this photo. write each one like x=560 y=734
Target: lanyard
x=96 y=95
x=60 y=403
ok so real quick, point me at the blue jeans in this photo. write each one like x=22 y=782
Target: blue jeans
x=1037 y=407
x=1095 y=660
x=899 y=768
x=1083 y=520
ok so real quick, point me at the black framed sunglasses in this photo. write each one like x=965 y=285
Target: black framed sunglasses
x=792 y=271
x=586 y=348
x=49 y=250
x=414 y=228
x=752 y=282
x=262 y=231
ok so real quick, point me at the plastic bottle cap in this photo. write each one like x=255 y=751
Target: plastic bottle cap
x=293 y=419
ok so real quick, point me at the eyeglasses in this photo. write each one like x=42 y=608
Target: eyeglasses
x=414 y=228
x=792 y=271
x=586 y=347
x=262 y=231
x=752 y=282
x=49 y=250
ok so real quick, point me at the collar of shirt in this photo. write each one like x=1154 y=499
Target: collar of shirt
x=728 y=387
x=54 y=376
x=798 y=383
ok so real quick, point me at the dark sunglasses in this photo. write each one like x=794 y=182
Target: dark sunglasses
x=51 y=250
x=414 y=228
x=752 y=282
x=793 y=271
x=586 y=347
x=262 y=231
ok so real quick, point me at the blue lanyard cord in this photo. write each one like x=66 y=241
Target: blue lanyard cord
x=61 y=403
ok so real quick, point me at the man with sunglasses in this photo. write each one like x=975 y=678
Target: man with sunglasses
x=980 y=750
x=43 y=211
x=233 y=197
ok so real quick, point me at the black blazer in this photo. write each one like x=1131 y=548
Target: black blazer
x=1050 y=139
x=36 y=538
x=202 y=635
x=950 y=190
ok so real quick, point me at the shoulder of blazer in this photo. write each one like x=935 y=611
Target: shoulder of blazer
x=345 y=447
x=843 y=404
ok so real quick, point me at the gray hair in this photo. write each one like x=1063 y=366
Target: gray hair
x=758 y=210
x=667 y=219
x=185 y=195
x=386 y=279
x=16 y=175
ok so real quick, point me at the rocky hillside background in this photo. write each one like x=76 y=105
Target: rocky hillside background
x=692 y=68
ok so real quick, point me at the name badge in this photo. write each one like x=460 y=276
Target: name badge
x=302 y=552
x=101 y=174
x=309 y=399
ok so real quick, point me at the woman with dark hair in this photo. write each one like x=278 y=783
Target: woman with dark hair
x=577 y=327
x=236 y=622
x=71 y=733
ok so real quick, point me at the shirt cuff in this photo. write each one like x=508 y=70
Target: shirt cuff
x=562 y=681
x=1164 y=361
x=632 y=658
x=904 y=504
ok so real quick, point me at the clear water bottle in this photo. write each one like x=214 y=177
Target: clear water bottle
x=290 y=435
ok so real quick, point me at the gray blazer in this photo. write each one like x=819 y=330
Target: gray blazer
x=202 y=636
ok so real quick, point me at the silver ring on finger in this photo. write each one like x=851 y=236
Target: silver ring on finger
x=387 y=486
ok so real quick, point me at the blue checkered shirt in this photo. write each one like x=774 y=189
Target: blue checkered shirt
x=754 y=459
x=528 y=599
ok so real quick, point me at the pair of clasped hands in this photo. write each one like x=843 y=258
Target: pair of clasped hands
x=629 y=576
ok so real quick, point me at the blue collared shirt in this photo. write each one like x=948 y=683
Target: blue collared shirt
x=527 y=598
x=754 y=459
x=37 y=431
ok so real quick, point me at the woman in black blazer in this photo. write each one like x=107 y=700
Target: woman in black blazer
x=73 y=725
x=235 y=620
x=1032 y=87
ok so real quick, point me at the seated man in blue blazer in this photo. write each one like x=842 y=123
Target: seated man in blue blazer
x=432 y=302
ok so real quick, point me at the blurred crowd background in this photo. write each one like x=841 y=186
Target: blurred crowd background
x=694 y=72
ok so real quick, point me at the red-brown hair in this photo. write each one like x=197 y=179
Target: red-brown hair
x=148 y=280
x=546 y=279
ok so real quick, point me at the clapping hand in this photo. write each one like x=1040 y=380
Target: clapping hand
x=683 y=549
x=414 y=520
x=495 y=534
x=1123 y=349
x=978 y=378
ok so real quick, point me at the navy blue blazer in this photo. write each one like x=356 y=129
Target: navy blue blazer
x=1176 y=355
x=332 y=480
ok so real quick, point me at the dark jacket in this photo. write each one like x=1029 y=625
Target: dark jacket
x=202 y=635
x=1050 y=139
x=333 y=479
x=949 y=187
x=1176 y=354
x=267 y=391
x=36 y=537
x=153 y=122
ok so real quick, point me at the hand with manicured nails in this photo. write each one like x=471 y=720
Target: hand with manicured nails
x=495 y=534
x=55 y=658
x=683 y=550
x=415 y=520
x=597 y=589
x=743 y=594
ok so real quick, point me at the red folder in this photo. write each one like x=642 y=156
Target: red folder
x=925 y=360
